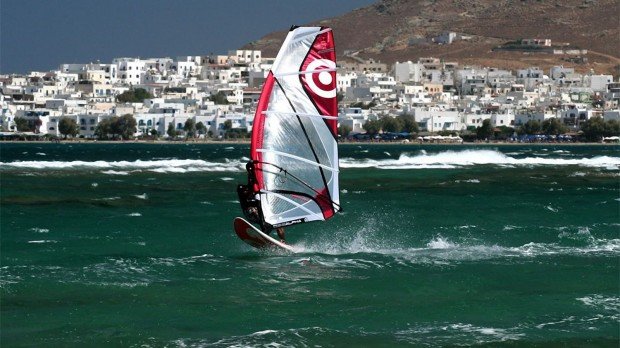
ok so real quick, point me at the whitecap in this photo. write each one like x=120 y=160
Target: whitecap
x=42 y=241
x=114 y=172
x=440 y=243
x=134 y=214
x=611 y=303
x=455 y=159
x=142 y=196
x=550 y=208
x=471 y=181
x=160 y=165
x=39 y=230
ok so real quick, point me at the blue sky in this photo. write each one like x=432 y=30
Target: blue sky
x=42 y=34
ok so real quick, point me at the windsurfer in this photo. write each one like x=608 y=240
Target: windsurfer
x=280 y=232
x=247 y=198
x=251 y=205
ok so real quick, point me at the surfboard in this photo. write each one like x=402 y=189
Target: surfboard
x=257 y=238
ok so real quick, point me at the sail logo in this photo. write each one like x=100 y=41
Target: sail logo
x=321 y=79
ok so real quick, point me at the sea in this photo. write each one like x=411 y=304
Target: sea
x=132 y=245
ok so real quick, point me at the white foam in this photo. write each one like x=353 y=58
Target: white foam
x=142 y=196
x=454 y=159
x=41 y=241
x=471 y=181
x=440 y=243
x=134 y=214
x=39 y=230
x=114 y=172
x=602 y=302
x=120 y=167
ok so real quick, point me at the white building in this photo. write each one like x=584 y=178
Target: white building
x=130 y=70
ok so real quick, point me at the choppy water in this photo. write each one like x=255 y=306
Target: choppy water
x=132 y=245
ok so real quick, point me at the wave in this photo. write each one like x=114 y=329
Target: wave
x=457 y=159
x=422 y=160
x=121 y=167
x=441 y=250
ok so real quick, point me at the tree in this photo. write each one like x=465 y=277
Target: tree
x=372 y=127
x=22 y=124
x=531 y=127
x=391 y=124
x=172 y=132
x=37 y=125
x=103 y=129
x=612 y=128
x=485 y=131
x=409 y=123
x=133 y=96
x=553 y=126
x=219 y=98
x=344 y=130
x=596 y=128
x=67 y=126
x=504 y=132
x=201 y=128
x=190 y=127
x=227 y=125
x=126 y=126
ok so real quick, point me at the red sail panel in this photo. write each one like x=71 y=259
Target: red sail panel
x=320 y=84
x=258 y=128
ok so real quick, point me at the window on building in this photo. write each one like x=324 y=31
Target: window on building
x=92 y=121
x=82 y=121
x=52 y=128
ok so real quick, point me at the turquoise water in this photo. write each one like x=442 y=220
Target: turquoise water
x=132 y=245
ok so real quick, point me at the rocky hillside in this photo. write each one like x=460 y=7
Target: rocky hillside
x=398 y=30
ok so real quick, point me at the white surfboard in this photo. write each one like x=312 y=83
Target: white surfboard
x=257 y=238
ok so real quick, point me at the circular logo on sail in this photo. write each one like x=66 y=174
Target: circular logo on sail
x=321 y=82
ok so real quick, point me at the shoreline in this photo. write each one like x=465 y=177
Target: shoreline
x=241 y=142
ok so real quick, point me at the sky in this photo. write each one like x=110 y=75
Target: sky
x=39 y=35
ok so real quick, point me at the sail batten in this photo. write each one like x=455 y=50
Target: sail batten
x=302 y=37
x=301 y=114
x=312 y=163
x=319 y=71
x=294 y=150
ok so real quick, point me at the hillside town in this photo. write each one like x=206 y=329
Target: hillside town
x=215 y=97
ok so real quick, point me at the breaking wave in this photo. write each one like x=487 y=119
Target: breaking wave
x=457 y=159
x=121 y=167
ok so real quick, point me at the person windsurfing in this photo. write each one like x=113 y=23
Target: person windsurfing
x=250 y=204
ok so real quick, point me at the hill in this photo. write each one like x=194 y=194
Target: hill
x=398 y=30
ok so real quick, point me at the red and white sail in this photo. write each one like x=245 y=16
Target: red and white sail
x=294 y=146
